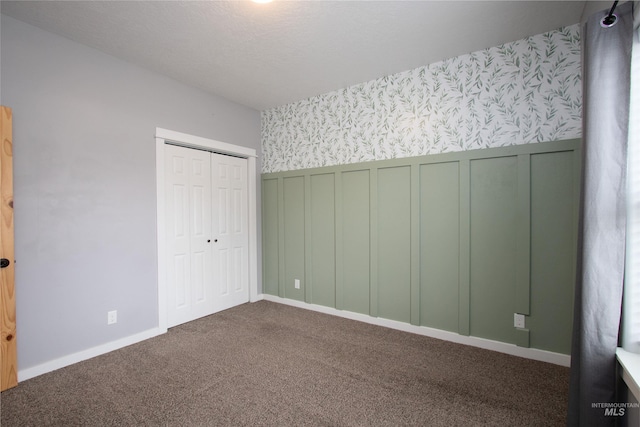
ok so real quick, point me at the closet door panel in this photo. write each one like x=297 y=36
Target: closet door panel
x=188 y=222
x=230 y=231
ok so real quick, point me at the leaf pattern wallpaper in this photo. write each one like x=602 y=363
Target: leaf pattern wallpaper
x=521 y=92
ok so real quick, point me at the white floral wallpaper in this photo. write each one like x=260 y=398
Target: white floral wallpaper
x=521 y=92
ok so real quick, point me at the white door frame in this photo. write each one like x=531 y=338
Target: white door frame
x=164 y=136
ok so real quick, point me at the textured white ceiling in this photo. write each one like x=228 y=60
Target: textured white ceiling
x=265 y=55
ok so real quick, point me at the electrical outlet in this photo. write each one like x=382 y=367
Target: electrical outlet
x=518 y=320
x=112 y=317
x=296 y=283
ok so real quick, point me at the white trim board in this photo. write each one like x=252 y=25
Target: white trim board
x=527 y=353
x=52 y=365
x=630 y=363
x=164 y=136
x=198 y=142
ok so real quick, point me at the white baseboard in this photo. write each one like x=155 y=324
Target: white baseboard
x=256 y=298
x=25 y=374
x=514 y=350
x=529 y=353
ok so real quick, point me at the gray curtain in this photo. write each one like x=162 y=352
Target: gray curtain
x=601 y=240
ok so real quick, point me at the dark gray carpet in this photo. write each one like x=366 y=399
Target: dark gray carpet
x=270 y=364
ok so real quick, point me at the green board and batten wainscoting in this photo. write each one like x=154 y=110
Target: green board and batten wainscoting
x=457 y=242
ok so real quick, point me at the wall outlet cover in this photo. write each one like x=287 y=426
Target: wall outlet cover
x=518 y=320
x=112 y=317
x=296 y=283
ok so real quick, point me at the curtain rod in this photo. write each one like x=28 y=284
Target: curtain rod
x=610 y=19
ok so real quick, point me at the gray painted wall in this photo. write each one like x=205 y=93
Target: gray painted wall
x=85 y=195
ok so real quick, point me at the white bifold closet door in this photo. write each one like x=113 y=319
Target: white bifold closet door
x=207 y=237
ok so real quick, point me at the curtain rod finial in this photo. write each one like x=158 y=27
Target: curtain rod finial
x=611 y=18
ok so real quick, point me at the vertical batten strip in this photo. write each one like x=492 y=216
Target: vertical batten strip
x=465 y=248
x=339 y=240
x=263 y=227
x=373 y=227
x=308 y=252
x=415 y=244
x=281 y=269
x=523 y=237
